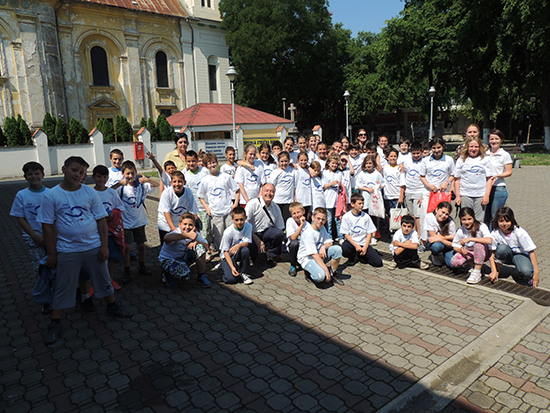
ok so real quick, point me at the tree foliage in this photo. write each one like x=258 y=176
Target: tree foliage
x=79 y=134
x=26 y=134
x=123 y=129
x=3 y=141
x=106 y=128
x=142 y=123
x=153 y=130
x=165 y=130
x=60 y=135
x=13 y=132
x=48 y=127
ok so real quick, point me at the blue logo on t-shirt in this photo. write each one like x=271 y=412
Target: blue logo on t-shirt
x=286 y=178
x=414 y=173
x=307 y=182
x=179 y=210
x=253 y=178
x=390 y=179
x=216 y=192
x=131 y=200
x=438 y=173
x=476 y=170
x=76 y=212
x=34 y=211
x=357 y=229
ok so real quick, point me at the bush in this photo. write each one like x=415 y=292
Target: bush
x=14 y=137
x=60 y=136
x=48 y=127
x=152 y=130
x=142 y=123
x=124 y=130
x=78 y=132
x=165 y=130
x=26 y=134
x=106 y=128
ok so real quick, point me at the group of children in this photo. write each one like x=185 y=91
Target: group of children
x=325 y=196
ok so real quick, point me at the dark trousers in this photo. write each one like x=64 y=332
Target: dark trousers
x=272 y=236
x=161 y=236
x=371 y=257
x=408 y=258
x=241 y=261
x=293 y=247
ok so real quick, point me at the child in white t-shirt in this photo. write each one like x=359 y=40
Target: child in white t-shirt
x=358 y=229
x=266 y=161
x=250 y=177
x=413 y=185
x=234 y=250
x=294 y=227
x=218 y=189
x=317 y=192
x=471 y=244
x=404 y=246
x=394 y=189
x=441 y=231
x=303 y=180
x=283 y=180
x=194 y=174
x=183 y=247
x=348 y=172
x=133 y=192
x=165 y=174
x=332 y=179
x=230 y=167
x=115 y=173
x=512 y=245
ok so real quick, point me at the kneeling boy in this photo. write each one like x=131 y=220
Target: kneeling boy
x=234 y=248
x=316 y=250
x=182 y=247
x=358 y=229
x=404 y=247
x=294 y=227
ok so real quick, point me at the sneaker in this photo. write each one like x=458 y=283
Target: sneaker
x=336 y=240
x=423 y=265
x=475 y=277
x=208 y=257
x=292 y=272
x=307 y=276
x=53 y=333
x=117 y=310
x=392 y=265
x=91 y=291
x=377 y=235
x=421 y=248
x=144 y=270
x=126 y=277
x=217 y=266
x=116 y=286
x=437 y=259
x=335 y=277
x=373 y=241
x=88 y=306
x=203 y=281
x=46 y=309
x=246 y=279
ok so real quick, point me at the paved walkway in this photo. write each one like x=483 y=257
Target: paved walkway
x=403 y=340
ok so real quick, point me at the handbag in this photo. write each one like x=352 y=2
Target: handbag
x=376 y=203
x=395 y=216
x=436 y=198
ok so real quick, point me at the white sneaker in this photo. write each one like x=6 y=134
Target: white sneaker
x=246 y=279
x=373 y=241
x=424 y=265
x=217 y=266
x=392 y=265
x=475 y=277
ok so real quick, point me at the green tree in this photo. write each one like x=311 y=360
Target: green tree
x=13 y=132
x=165 y=130
x=142 y=123
x=48 y=127
x=123 y=128
x=284 y=49
x=60 y=132
x=25 y=131
x=106 y=128
x=153 y=130
x=3 y=141
x=78 y=132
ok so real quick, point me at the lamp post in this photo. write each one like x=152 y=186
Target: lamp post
x=431 y=92
x=232 y=75
x=346 y=96
x=284 y=108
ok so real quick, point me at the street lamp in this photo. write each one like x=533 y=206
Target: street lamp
x=232 y=75
x=431 y=92
x=346 y=96
x=284 y=108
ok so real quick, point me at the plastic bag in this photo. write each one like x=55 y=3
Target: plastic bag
x=395 y=216
x=376 y=203
x=436 y=198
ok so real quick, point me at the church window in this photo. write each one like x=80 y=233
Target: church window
x=162 y=69
x=100 y=68
x=212 y=77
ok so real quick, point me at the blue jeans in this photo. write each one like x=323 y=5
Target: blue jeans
x=497 y=199
x=317 y=273
x=439 y=248
x=524 y=267
x=331 y=214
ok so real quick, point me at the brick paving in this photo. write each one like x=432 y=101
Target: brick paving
x=280 y=344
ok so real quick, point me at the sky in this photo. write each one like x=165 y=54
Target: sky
x=364 y=15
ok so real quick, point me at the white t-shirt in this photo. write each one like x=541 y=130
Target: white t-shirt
x=115 y=175
x=413 y=184
x=383 y=160
x=403 y=157
x=322 y=162
x=394 y=181
x=473 y=174
x=257 y=216
x=331 y=193
x=357 y=162
x=232 y=236
x=311 y=242
x=251 y=180
x=357 y=227
x=219 y=191
x=302 y=180
x=177 y=249
x=464 y=233
x=176 y=206
x=292 y=227
x=311 y=156
x=317 y=193
x=346 y=181
x=110 y=200
x=431 y=224
x=268 y=168
x=133 y=198
x=284 y=183
x=193 y=180
x=27 y=205
x=400 y=237
x=499 y=160
x=518 y=240
x=166 y=179
x=436 y=171
x=228 y=169
x=75 y=214
x=365 y=179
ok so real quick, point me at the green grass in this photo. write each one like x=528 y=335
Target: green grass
x=534 y=159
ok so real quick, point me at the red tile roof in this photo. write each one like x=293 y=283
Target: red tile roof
x=210 y=114
x=166 y=7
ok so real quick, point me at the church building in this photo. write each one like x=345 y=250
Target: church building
x=92 y=59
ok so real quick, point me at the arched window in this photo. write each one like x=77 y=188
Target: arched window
x=162 y=69
x=100 y=68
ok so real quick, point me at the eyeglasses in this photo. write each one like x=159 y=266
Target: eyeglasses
x=362 y=134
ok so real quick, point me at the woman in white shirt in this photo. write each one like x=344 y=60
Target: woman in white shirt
x=502 y=166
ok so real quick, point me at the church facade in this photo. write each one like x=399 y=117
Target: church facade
x=92 y=59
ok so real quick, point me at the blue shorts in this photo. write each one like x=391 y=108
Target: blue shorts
x=114 y=249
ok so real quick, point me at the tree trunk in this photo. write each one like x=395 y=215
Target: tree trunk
x=486 y=125
x=546 y=120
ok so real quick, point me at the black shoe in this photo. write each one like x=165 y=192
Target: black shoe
x=88 y=306
x=46 y=309
x=144 y=270
x=117 y=310
x=126 y=278
x=308 y=278
x=335 y=277
x=292 y=272
x=53 y=333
